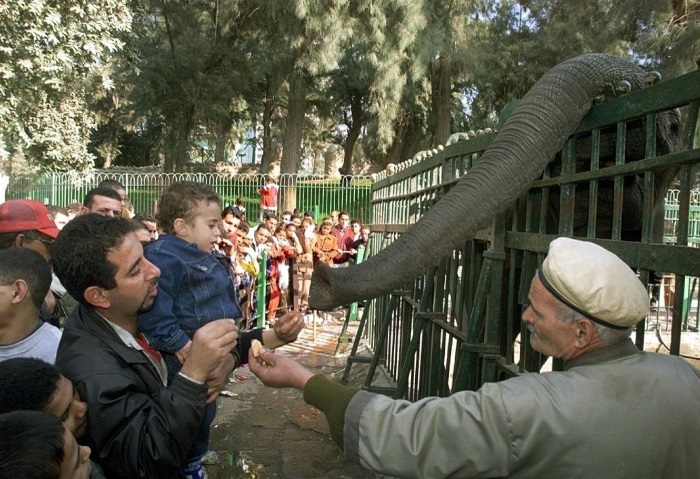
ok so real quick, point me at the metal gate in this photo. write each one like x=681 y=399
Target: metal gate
x=458 y=326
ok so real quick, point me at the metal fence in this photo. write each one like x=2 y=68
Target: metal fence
x=321 y=194
x=672 y=209
x=458 y=326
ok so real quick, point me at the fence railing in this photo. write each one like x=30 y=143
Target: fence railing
x=322 y=194
x=458 y=325
x=671 y=212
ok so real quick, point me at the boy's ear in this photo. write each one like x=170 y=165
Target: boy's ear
x=180 y=227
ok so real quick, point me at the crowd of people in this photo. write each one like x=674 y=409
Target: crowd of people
x=135 y=321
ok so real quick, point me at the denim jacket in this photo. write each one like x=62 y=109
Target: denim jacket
x=195 y=288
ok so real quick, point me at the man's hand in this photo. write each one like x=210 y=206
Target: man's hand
x=278 y=371
x=182 y=353
x=217 y=378
x=288 y=327
x=210 y=345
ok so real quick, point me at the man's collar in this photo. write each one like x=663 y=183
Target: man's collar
x=607 y=353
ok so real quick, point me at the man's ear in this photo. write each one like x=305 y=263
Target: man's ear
x=97 y=297
x=19 y=240
x=585 y=330
x=20 y=291
x=83 y=210
x=180 y=227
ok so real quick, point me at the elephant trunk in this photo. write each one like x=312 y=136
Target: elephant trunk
x=530 y=138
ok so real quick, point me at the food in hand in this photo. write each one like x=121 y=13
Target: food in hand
x=255 y=346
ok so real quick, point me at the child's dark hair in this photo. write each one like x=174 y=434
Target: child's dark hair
x=180 y=200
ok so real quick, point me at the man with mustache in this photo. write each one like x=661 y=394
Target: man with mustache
x=614 y=411
x=138 y=426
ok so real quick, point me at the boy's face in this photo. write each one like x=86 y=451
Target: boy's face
x=261 y=235
x=230 y=223
x=65 y=404
x=203 y=227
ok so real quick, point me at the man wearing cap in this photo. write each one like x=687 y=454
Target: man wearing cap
x=613 y=412
x=28 y=224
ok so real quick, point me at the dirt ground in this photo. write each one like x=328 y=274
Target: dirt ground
x=271 y=433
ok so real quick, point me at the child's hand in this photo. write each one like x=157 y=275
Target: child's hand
x=182 y=353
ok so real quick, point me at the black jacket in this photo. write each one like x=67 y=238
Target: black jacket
x=136 y=426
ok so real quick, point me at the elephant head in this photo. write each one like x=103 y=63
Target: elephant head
x=531 y=137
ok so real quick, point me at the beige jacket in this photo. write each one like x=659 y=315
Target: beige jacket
x=614 y=413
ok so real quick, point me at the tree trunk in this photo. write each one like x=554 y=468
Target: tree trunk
x=183 y=141
x=4 y=182
x=353 y=133
x=267 y=154
x=107 y=157
x=170 y=149
x=291 y=143
x=222 y=132
x=441 y=82
x=408 y=138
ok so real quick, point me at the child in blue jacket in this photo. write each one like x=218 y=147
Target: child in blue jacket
x=196 y=287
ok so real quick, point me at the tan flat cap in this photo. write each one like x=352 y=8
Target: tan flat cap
x=595 y=283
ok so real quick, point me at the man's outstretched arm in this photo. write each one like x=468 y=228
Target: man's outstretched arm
x=319 y=391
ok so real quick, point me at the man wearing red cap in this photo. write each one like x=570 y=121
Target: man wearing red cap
x=27 y=224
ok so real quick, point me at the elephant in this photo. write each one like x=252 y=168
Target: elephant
x=530 y=138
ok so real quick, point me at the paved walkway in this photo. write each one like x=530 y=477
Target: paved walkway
x=271 y=433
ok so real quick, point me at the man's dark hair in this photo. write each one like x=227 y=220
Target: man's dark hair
x=80 y=252
x=7 y=240
x=29 y=266
x=138 y=225
x=100 y=191
x=27 y=384
x=31 y=445
x=231 y=210
x=309 y=214
x=112 y=184
x=180 y=200
x=144 y=217
x=243 y=226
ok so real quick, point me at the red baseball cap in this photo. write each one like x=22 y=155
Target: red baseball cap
x=26 y=215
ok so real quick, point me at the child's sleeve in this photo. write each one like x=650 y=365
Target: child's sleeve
x=160 y=325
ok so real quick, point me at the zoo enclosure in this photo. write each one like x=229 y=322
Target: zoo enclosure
x=457 y=326
x=318 y=193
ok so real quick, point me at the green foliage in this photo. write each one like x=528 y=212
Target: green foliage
x=144 y=81
x=48 y=51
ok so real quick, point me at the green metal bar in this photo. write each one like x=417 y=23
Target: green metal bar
x=465 y=376
x=262 y=290
x=381 y=340
x=354 y=358
x=418 y=327
x=352 y=313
